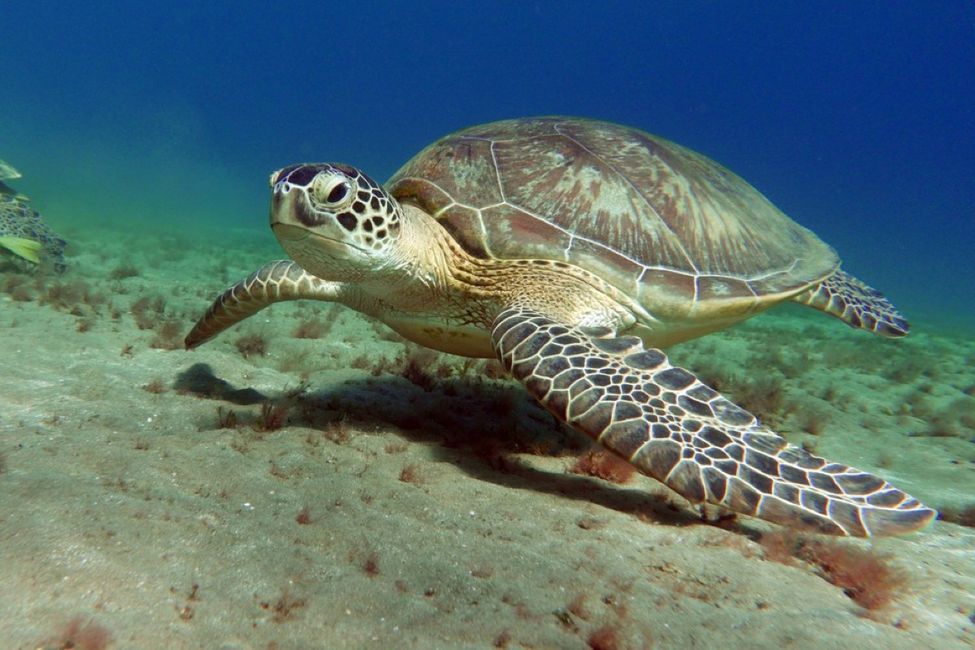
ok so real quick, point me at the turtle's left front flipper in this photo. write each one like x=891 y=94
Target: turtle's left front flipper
x=674 y=428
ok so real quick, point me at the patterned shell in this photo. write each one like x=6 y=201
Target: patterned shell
x=674 y=230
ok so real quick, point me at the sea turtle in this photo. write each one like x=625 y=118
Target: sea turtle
x=22 y=232
x=572 y=250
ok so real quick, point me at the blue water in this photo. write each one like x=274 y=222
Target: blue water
x=857 y=119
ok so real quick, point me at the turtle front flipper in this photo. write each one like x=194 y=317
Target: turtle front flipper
x=856 y=304
x=274 y=282
x=672 y=427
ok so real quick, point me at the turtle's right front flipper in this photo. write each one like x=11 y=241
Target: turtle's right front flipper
x=672 y=427
x=274 y=282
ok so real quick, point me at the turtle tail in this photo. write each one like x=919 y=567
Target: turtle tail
x=856 y=304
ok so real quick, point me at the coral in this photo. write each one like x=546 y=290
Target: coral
x=411 y=474
x=493 y=369
x=272 y=416
x=168 y=335
x=416 y=367
x=957 y=420
x=812 y=418
x=762 y=396
x=283 y=609
x=605 y=465
x=226 y=419
x=371 y=564
x=310 y=329
x=124 y=270
x=906 y=369
x=155 y=386
x=604 y=638
x=337 y=431
x=362 y=362
x=78 y=635
x=251 y=344
x=15 y=286
x=867 y=578
x=21 y=294
x=147 y=311
x=64 y=295
x=578 y=607
x=296 y=362
x=781 y=545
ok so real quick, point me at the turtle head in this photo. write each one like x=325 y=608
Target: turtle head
x=332 y=219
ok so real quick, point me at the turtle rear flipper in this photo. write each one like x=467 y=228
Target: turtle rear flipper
x=672 y=427
x=856 y=304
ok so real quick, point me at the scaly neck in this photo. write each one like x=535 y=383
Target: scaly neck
x=430 y=273
x=428 y=269
x=432 y=257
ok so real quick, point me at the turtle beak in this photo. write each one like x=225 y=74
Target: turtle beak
x=285 y=222
x=290 y=208
x=285 y=232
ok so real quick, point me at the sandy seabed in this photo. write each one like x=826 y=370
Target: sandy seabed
x=347 y=489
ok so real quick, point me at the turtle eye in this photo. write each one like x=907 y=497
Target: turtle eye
x=338 y=192
x=333 y=190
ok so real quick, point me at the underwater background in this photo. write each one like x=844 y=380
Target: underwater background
x=854 y=118
x=310 y=479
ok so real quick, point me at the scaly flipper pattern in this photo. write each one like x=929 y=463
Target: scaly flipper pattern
x=273 y=282
x=856 y=304
x=675 y=429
